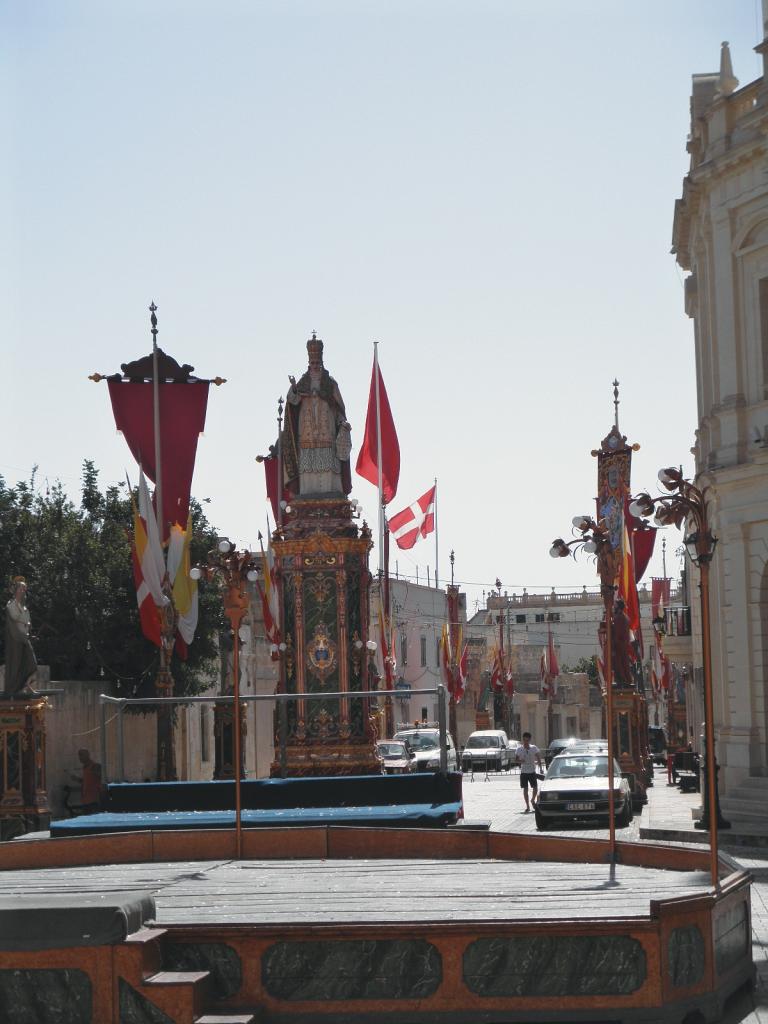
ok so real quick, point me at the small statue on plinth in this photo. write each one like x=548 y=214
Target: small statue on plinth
x=20 y=661
x=622 y=640
x=316 y=442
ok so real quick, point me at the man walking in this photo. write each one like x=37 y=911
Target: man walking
x=528 y=757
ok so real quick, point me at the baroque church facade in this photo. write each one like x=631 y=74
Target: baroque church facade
x=720 y=237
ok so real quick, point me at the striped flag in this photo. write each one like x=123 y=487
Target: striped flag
x=149 y=584
x=185 y=597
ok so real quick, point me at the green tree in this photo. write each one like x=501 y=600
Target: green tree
x=82 y=598
x=588 y=665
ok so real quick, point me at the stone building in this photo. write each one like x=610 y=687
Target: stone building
x=720 y=237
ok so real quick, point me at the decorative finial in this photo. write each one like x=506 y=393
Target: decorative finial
x=153 y=320
x=452 y=559
x=616 y=402
x=498 y=585
x=727 y=81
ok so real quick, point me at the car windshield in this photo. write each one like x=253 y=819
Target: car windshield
x=393 y=750
x=584 y=767
x=483 y=742
x=421 y=740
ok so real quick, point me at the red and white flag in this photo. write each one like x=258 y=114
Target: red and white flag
x=461 y=675
x=415 y=521
x=148 y=564
x=379 y=423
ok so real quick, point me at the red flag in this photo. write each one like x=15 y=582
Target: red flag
x=509 y=682
x=461 y=674
x=416 y=520
x=660 y=587
x=497 y=673
x=368 y=459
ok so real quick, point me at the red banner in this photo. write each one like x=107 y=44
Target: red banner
x=182 y=420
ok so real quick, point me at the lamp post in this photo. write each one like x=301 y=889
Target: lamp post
x=232 y=570
x=594 y=539
x=687 y=505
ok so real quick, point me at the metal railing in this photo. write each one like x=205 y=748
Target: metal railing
x=281 y=699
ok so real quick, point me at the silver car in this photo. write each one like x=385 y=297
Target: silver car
x=576 y=789
x=425 y=744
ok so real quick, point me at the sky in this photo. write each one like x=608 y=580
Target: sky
x=485 y=188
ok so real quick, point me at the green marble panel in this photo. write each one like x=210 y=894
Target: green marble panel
x=731 y=938
x=686 y=956
x=137 y=1009
x=61 y=996
x=540 y=965
x=365 y=969
x=220 y=960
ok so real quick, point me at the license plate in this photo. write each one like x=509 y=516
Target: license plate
x=580 y=806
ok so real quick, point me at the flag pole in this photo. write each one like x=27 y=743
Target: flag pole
x=156 y=424
x=379 y=466
x=437 y=561
x=280 y=461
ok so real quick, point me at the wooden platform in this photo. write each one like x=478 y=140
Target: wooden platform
x=383 y=926
x=367 y=891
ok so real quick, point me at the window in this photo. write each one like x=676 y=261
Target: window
x=423 y=646
x=437 y=652
x=539 y=618
x=521 y=620
x=553 y=616
x=403 y=649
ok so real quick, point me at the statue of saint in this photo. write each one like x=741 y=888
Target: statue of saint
x=20 y=661
x=622 y=641
x=316 y=441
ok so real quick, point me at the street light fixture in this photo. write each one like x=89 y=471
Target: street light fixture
x=686 y=506
x=595 y=540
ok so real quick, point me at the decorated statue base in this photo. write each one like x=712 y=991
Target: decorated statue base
x=23 y=794
x=322 y=558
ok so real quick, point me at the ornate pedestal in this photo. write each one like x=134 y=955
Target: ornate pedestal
x=627 y=738
x=322 y=559
x=23 y=797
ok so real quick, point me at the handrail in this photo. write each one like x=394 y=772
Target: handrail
x=280 y=698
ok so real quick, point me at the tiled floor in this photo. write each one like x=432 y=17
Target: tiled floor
x=500 y=799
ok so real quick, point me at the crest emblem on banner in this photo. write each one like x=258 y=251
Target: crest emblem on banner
x=321 y=651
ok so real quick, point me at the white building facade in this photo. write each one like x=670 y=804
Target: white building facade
x=720 y=237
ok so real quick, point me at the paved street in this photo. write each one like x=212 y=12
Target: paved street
x=499 y=799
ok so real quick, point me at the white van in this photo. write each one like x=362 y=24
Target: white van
x=487 y=749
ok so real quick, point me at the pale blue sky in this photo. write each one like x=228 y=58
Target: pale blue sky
x=485 y=187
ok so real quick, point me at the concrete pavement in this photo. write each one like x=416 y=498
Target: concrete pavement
x=499 y=799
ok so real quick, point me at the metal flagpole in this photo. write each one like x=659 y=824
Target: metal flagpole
x=156 y=424
x=437 y=559
x=379 y=459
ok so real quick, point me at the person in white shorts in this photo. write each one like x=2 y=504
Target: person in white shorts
x=528 y=757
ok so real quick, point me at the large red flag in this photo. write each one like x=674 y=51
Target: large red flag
x=368 y=459
x=416 y=520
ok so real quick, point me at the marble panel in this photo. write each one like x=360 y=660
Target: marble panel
x=731 y=938
x=137 y=1009
x=540 y=965
x=686 y=956
x=62 y=996
x=365 y=969
x=219 y=959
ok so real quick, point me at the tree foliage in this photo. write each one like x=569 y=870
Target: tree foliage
x=588 y=665
x=81 y=594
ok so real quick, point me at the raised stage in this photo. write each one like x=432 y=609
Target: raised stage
x=345 y=924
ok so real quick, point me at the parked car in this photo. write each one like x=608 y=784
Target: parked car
x=576 y=788
x=558 y=746
x=487 y=749
x=425 y=744
x=396 y=757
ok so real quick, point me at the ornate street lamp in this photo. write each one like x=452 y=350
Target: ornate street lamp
x=232 y=570
x=594 y=539
x=686 y=505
